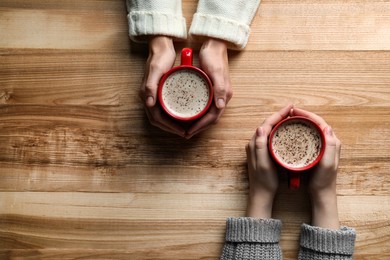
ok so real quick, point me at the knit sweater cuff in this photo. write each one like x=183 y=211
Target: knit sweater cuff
x=323 y=240
x=143 y=23
x=221 y=28
x=253 y=230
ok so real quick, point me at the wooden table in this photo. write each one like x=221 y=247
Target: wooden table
x=84 y=175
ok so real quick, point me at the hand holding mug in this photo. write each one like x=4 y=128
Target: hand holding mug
x=322 y=183
x=161 y=59
x=213 y=59
x=263 y=175
x=297 y=144
x=324 y=176
x=185 y=92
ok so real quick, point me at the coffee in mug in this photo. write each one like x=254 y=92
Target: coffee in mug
x=297 y=144
x=185 y=92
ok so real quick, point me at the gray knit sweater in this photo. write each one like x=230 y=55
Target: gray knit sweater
x=251 y=239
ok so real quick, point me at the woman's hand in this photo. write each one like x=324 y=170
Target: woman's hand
x=322 y=183
x=263 y=176
x=161 y=58
x=213 y=59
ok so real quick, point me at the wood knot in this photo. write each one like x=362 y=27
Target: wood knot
x=5 y=96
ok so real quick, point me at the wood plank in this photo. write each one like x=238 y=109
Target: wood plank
x=357 y=78
x=321 y=25
x=359 y=177
x=146 y=206
x=74 y=27
x=166 y=253
x=89 y=214
x=84 y=136
x=281 y=25
x=72 y=78
x=52 y=72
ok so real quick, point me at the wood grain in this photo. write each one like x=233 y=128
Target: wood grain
x=85 y=176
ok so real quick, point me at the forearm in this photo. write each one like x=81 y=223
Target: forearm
x=256 y=235
x=260 y=205
x=158 y=44
x=325 y=239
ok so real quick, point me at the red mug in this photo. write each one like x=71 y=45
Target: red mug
x=297 y=144
x=185 y=92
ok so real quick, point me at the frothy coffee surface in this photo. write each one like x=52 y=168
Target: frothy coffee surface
x=296 y=144
x=185 y=93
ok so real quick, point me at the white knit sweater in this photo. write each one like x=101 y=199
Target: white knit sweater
x=228 y=20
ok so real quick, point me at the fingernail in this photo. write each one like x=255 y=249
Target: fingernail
x=220 y=103
x=149 y=101
x=329 y=131
x=259 y=131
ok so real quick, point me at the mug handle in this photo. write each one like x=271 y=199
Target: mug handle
x=186 y=56
x=294 y=180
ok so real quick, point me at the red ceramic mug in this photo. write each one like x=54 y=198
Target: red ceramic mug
x=185 y=92
x=297 y=144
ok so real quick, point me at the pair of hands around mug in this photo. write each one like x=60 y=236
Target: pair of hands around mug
x=213 y=61
x=263 y=175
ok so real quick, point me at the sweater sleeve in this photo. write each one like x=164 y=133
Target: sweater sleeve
x=325 y=244
x=227 y=20
x=151 y=17
x=252 y=239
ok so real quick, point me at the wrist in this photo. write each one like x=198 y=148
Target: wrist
x=160 y=43
x=324 y=209
x=320 y=196
x=214 y=43
x=260 y=204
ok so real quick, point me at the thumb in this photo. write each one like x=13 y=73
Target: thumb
x=151 y=86
x=220 y=92
x=220 y=101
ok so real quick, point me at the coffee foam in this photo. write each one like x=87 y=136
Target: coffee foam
x=296 y=144
x=185 y=93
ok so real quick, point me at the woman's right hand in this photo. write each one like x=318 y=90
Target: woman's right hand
x=161 y=58
x=322 y=183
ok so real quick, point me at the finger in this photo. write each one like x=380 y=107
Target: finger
x=275 y=118
x=156 y=118
x=229 y=91
x=252 y=149
x=151 y=85
x=338 y=151
x=317 y=119
x=261 y=145
x=162 y=127
x=220 y=88
x=330 y=152
x=141 y=92
x=214 y=61
x=206 y=121
x=250 y=157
